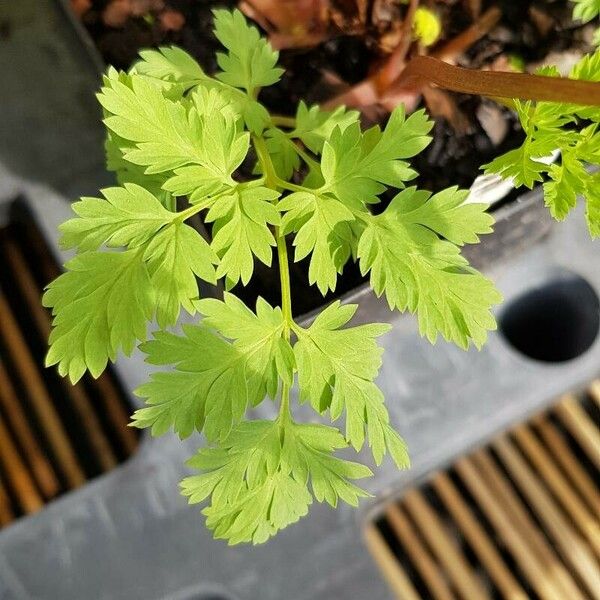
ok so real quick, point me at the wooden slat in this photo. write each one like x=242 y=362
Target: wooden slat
x=537 y=542
x=564 y=456
x=595 y=391
x=422 y=560
x=581 y=427
x=446 y=552
x=559 y=484
x=478 y=538
x=117 y=413
x=513 y=537
x=17 y=475
x=41 y=469
x=393 y=572
x=572 y=548
x=38 y=395
x=6 y=511
x=76 y=393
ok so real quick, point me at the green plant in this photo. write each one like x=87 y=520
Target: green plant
x=175 y=132
x=572 y=131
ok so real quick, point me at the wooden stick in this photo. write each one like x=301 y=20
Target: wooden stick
x=518 y=513
x=571 y=466
x=560 y=486
x=447 y=553
x=76 y=393
x=581 y=427
x=464 y=40
x=17 y=474
x=478 y=538
x=422 y=560
x=574 y=551
x=507 y=528
x=42 y=470
x=41 y=401
x=390 y=567
x=6 y=511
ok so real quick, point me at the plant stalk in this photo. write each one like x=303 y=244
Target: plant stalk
x=273 y=181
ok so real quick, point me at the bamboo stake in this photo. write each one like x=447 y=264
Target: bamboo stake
x=574 y=551
x=390 y=567
x=38 y=395
x=41 y=468
x=17 y=474
x=428 y=569
x=102 y=448
x=560 y=486
x=581 y=427
x=457 y=567
x=478 y=538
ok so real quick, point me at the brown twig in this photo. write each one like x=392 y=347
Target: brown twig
x=395 y=63
x=426 y=70
x=464 y=40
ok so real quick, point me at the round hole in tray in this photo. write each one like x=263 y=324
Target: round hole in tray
x=554 y=322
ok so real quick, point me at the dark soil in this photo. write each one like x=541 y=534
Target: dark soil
x=453 y=158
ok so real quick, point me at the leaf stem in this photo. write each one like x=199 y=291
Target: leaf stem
x=274 y=182
x=282 y=121
x=309 y=160
x=196 y=208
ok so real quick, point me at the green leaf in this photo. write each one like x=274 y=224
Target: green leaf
x=321 y=223
x=336 y=371
x=172 y=64
x=283 y=153
x=100 y=305
x=250 y=60
x=356 y=167
x=129 y=216
x=214 y=381
x=586 y=10
x=206 y=391
x=256 y=479
x=258 y=335
x=176 y=256
x=446 y=213
x=417 y=271
x=203 y=151
x=592 y=214
x=126 y=172
x=552 y=128
x=567 y=181
x=519 y=164
x=314 y=126
x=241 y=230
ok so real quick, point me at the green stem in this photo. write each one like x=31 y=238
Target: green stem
x=274 y=182
x=281 y=121
x=309 y=160
x=196 y=208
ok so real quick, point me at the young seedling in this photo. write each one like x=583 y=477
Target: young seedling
x=175 y=132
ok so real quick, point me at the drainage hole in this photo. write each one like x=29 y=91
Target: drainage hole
x=555 y=322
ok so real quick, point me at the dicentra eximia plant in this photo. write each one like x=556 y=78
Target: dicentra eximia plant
x=173 y=131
